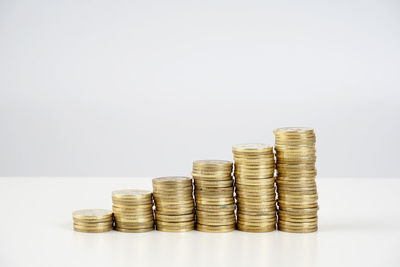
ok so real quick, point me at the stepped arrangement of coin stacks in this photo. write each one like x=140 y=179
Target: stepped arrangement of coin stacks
x=133 y=210
x=255 y=187
x=214 y=195
x=93 y=220
x=296 y=173
x=173 y=197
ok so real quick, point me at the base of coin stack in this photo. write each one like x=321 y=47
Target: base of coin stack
x=296 y=173
x=173 y=197
x=93 y=220
x=255 y=187
x=214 y=196
x=133 y=210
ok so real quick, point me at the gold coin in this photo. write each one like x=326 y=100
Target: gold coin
x=297 y=230
x=93 y=225
x=130 y=216
x=134 y=225
x=255 y=175
x=258 y=213
x=294 y=130
x=254 y=164
x=296 y=180
x=215 y=208
x=131 y=194
x=133 y=207
x=253 y=181
x=212 y=178
x=172 y=182
x=91 y=222
x=208 y=221
x=206 y=183
x=258 y=169
x=214 y=213
x=293 y=182
x=256 y=229
x=298 y=197
x=206 y=194
x=255 y=209
x=175 y=229
x=248 y=217
x=286 y=205
x=175 y=211
x=175 y=224
x=175 y=218
x=174 y=198
x=131 y=203
x=297 y=220
x=299 y=210
x=212 y=164
x=215 y=217
x=93 y=230
x=255 y=196
x=251 y=148
x=212 y=172
x=215 y=229
x=171 y=190
x=92 y=214
x=298 y=224
x=128 y=230
x=167 y=206
x=221 y=201
x=133 y=212
x=257 y=223
x=254 y=188
x=134 y=219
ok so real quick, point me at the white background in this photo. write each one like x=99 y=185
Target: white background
x=142 y=88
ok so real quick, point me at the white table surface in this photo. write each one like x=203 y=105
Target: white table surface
x=359 y=226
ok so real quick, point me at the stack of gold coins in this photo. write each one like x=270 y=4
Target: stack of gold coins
x=133 y=210
x=214 y=194
x=173 y=197
x=255 y=187
x=296 y=173
x=93 y=220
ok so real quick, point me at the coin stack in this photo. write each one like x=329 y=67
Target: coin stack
x=133 y=210
x=214 y=194
x=255 y=187
x=173 y=197
x=93 y=220
x=296 y=173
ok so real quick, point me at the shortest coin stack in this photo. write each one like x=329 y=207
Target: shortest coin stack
x=173 y=197
x=92 y=220
x=133 y=210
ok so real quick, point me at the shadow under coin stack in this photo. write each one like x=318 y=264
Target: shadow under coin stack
x=93 y=220
x=255 y=187
x=215 y=203
x=133 y=210
x=173 y=197
x=297 y=190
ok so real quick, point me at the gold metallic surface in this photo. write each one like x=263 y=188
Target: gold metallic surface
x=296 y=172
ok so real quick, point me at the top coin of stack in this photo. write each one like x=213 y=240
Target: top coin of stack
x=133 y=210
x=173 y=197
x=92 y=220
x=297 y=190
x=215 y=203
x=255 y=187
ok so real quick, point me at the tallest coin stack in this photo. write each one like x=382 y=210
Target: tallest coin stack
x=296 y=173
